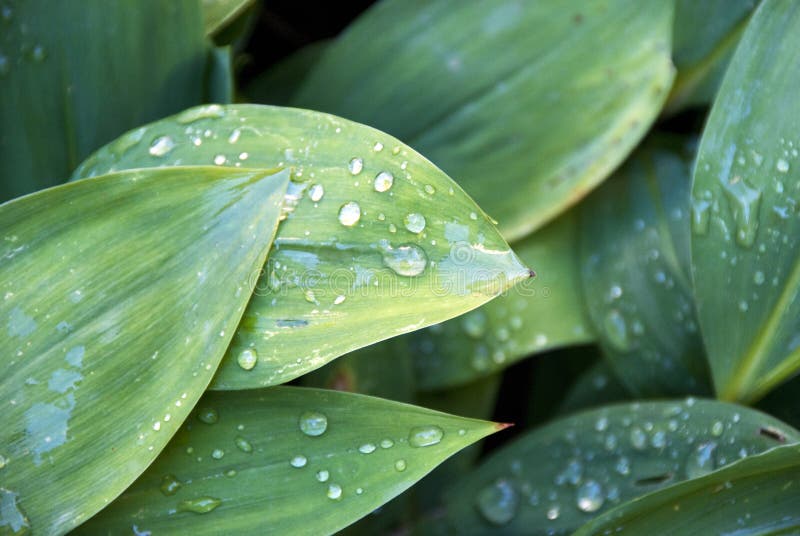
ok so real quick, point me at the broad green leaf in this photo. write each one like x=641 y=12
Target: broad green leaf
x=704 y=38
x=74 y=75
x=377 y=241
x=597 y=386
x=219 y=13
x=755 y=496
x=120 y=296
x=635 y=268
x=528 y=105
x=745 y=244
x=286 y=460
x=554 y=479
x=542 y=314
x=279 y=84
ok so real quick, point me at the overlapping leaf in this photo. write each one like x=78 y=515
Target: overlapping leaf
x=219 y=13
x=286 y=460
x=554 y=479
x=745 y=224
x=99 y=369
x=635 y=271
x=528 y=105
x=74 y=75
x=542 y=314
x=377 y=241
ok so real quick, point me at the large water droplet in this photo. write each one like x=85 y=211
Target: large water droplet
x=355 y=166
x=383 y=181
x=782 y=166
x=349 y=214
x=589 y=497
x=313 y=423
x=400 y=465
x=335 y=492
x=425 y=436
x=247 y=359
x=367 y=448
x=498 y=502
x=170 y=485
x=243 y=444
x=406 y=260
x=161 y=146
x=298 y=461
x=200 y=505
x=217 y=454
x=701 y=460
x=316 y=192
x=414 y=222
x=322 y=475
x=744 y=202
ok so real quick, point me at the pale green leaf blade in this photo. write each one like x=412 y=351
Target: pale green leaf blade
x=755 y=496
x=544 y=313
x=528 y=105
x=377 y=241
x=554 y=479
x=217 y=14
x=99 y=368
x=271 y=478
x=65 y=90
x=745 y=228
x=634 y=257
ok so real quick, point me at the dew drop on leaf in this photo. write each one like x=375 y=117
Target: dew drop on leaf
x=335 y=492
x=425 y=436
x=589 y=497
x=498 y=502
x=383 y=181
x=355 y=166
x=299 y=461
x=161 y=146
x=406 y=260
x=349 y=214
x=414 y=222
x=313 y=423
x=208 y=415
x=169 y=485
x=200 y=505
x=247 y=359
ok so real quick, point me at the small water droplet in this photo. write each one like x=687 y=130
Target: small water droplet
x=601 y=424
x=157 y=426
x=425 y=436
x=161 y=146
x=758 y=277
x=383 y=181
x=553 y=512
x=589 y=497
x=355 y=166
x=170 y=485
x=298 y=461
x=623 y=466
x=316 y=192
x=220 y=159
x=387 y=444
x=782 y=166
x=322 y=475
x=334 y=492
x=616 y=330
x=349 y=214
x=429 y=189
x=313 y=423
x=407 y=260
x=39 y=54
x=400 y=466
x=200 y=505
x=378 y=147
x=367 y=448
x=247 y=359
x=217 y=454
x=339 y=299
x=638 y=438
x=474 y=323
x=414 y=222
x=701 y=460
x=498 y=502
x=243 y=444
x=208 y=415
x=717 y=428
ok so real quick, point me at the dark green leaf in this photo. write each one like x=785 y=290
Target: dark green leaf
x=554 y=479
x=219 y=13
x=279 y=84
x=745 y=243
x=255 y=471
x=99 y=369
x=377 y=241
x=219 y=75
x=635 y=268
x=597 y=386
x=527 y=104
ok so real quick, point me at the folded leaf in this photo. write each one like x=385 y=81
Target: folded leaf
x=745 y=243
x=120 y=296
x=554 y=479
x=757 y=495
x=634 y=259
x=540 y=315
x=377 y=241
x=286 y=460
x=77 y=74
x=528 y=105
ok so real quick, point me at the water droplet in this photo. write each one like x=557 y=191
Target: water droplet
x=758 y=277
x=406 y=260
x=387 y=444
x=313 y=423
x=161 y=146
x=211 y=111
x=701 y=460
x=601 y=424
x=316 y=192
x=39 y=54
x=367 y=448
x=355 y=166
x=700 y=216
x=717 y=428
x=335 y=492
x=378 y=147
x=157 y=426
x=474 y=323
x=744 y=202
x=247 y=359
x=590 y=497
x=208 y=415
x=414 y=222
x=473 y=216
x=430 y=190
x=349 y=214
x=200 y=505
x=498 y=502
x=170 y=485
x=623 y=466
x=220 y=159
x=553 y=512
x=659 y=440
x=638 y=439
x=217 y=454
x=383 y=181
x=782 y=166
x=425 y=436
x=323 y=475
x=616 y=330
x=243 y=444
x=339 y=299
x=298 y=461
x=400 y=465
x=3 y=461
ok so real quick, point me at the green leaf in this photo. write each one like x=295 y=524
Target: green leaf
x=527 y=105
x=377 y=241
x=279 y=84
x=219 y=13
x=597 y=386
x=219 y=75
x=745 y=228
x=542 y=314
x=77 y=74
x=554 y=479
x=259 y=472
x=704 y=38
x=635 y=268
x=757 y=495
x=99 y=368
